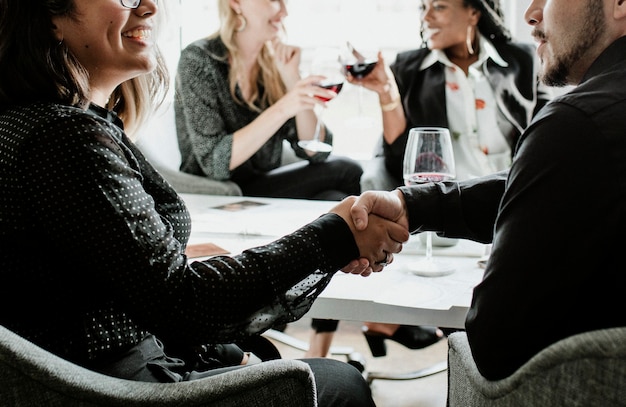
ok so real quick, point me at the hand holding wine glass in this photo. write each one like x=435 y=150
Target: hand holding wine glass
x=429 y=157
x=325 y=63
x=358 y=64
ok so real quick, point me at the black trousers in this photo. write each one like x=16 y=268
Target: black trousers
x=330 y=180
x=338 y=384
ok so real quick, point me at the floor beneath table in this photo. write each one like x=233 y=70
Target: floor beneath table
x=426 y=392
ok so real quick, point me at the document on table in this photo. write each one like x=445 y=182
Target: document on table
x=254 y=217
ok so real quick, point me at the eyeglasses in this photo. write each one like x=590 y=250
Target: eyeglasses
x=132 y=3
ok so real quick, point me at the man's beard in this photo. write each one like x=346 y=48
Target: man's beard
x=593 y=28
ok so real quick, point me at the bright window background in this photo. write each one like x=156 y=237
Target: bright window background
x=389 y=25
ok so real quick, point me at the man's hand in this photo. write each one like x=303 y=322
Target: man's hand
x=376 y=241
x=387 y=205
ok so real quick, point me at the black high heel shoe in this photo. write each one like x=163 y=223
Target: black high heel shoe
x=413 y=337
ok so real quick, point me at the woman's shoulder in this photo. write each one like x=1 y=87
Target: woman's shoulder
x=413 y=55
x=39 y=114
x=46 y=120
x=409 y=62
x=212 y=47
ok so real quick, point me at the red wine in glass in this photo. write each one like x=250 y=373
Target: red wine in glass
x=330 y=85
x=358 y=66
x=315 y=144
x=360 y=69
x=428 y=157
x=423 y=177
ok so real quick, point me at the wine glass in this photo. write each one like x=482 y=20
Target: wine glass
x=359 y=63
x=326 y=62
x=428 y=157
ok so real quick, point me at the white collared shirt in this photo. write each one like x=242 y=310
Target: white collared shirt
x=479 y=146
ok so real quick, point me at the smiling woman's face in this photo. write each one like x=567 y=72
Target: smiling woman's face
x=112 y=42
x=445 y=22
x=264 y=17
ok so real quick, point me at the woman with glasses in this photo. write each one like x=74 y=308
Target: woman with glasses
x=92 y=236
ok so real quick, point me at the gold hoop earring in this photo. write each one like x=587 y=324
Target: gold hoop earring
x=468 y=40
x=242 y=23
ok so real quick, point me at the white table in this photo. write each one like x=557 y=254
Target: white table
x=394 y=295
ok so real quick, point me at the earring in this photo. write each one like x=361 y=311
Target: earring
x=468 y=40
x=242 y=23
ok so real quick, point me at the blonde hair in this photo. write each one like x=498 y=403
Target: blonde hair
x=268 y=76
x=136 y=100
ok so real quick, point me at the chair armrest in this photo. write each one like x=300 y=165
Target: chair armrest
x=30 y=375
x=185 y=183
x=587 y=369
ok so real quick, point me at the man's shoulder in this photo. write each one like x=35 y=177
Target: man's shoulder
x=599 y=93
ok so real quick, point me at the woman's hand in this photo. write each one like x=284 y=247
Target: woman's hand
x=287 y=58
x=378 y=80
x=304 y=95
x=376 y=241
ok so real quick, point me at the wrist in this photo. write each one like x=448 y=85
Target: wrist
x=393 y=105
x=389 y=98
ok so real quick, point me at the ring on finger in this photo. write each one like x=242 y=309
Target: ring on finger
x=387 y=260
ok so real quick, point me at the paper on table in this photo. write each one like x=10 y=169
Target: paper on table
x=278 y=218
x=239 y=205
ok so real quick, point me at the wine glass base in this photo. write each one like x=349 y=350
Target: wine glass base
x=360 y=122
x=314 y=145
x=431 y=268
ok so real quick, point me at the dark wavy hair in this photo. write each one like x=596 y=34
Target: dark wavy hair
x=35 y=66
x=491 y=23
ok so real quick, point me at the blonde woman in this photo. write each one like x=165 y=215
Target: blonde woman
x=239 y=95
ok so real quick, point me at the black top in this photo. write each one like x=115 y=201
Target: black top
x=516 y=88
x=557 y=265
x=93 y=238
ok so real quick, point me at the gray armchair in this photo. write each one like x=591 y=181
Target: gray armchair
x=159 y=144
x=31 y=376
x=375 y=176
x=587 y=369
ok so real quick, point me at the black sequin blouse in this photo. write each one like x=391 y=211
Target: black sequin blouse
x=92 y=241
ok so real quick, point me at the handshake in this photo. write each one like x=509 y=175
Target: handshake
x=379 y=223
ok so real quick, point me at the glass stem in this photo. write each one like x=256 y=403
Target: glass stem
x=429 y=246
x=360 y=102
x=318 y=127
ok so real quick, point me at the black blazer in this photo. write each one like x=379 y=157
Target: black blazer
x=518 y=93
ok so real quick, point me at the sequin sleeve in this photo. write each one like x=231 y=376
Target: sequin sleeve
x=115 y=233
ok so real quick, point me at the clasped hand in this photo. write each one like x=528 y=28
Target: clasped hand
x=378 y=227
